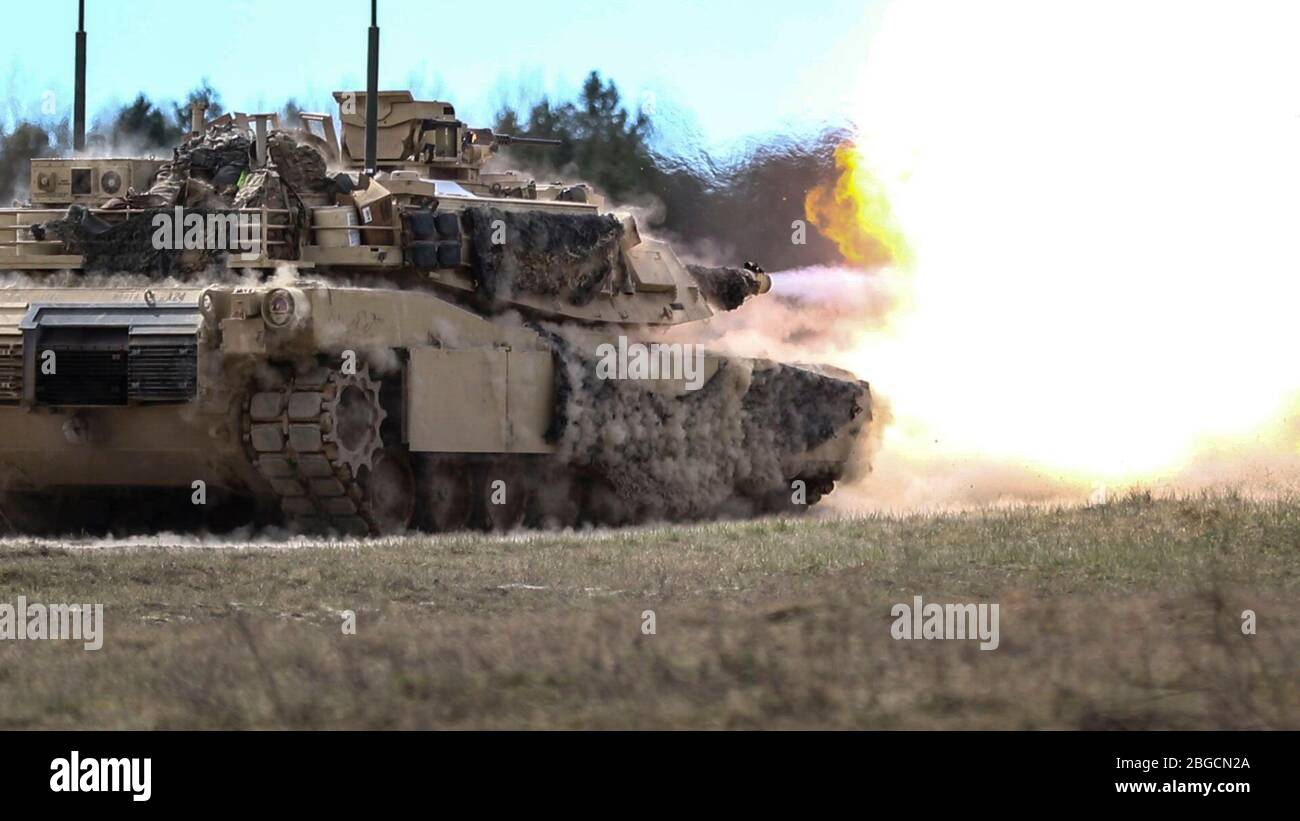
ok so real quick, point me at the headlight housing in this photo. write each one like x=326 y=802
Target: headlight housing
x=278 y=308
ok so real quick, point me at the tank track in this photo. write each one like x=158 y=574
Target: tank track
x=293 y=439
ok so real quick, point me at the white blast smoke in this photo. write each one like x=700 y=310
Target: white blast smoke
x=1102 y=201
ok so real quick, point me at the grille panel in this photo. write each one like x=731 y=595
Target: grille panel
x=11 y=372
x=82 y=377
x=109 y=367
x=163 y=370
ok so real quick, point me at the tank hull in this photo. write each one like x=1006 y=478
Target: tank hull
x=366 y=410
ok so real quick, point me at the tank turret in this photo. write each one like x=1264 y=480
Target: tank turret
x=419 y=135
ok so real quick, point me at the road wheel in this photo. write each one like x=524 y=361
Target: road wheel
x=446 y=495
x=389 y=489
x=555 y=503
x=602 y=505
x=505 y=498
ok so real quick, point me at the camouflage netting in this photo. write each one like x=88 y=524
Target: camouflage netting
x=301 y=166
x=571 y=256
x=740 y=438
x=261 y=187
x=725 y=287
x=125 y=246
x=218 y=157
x=209 y=172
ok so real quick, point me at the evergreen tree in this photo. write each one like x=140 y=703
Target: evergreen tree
x=17 y=149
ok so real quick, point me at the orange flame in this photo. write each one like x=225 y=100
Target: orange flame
x=854 y=212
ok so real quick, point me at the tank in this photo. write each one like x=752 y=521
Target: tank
x=272 y=328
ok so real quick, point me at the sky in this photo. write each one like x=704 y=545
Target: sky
x=713 y=71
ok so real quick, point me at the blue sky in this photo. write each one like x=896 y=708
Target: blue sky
x=716 y=71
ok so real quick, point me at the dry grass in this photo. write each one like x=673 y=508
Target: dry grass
x=1125 y=615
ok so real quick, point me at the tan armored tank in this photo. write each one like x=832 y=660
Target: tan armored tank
x=266 y=329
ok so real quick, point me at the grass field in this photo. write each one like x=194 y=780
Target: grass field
x=1124 y=615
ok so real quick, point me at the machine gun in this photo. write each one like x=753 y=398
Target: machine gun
x=486 y=137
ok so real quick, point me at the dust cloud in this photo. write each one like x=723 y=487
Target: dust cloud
x=832 y=315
